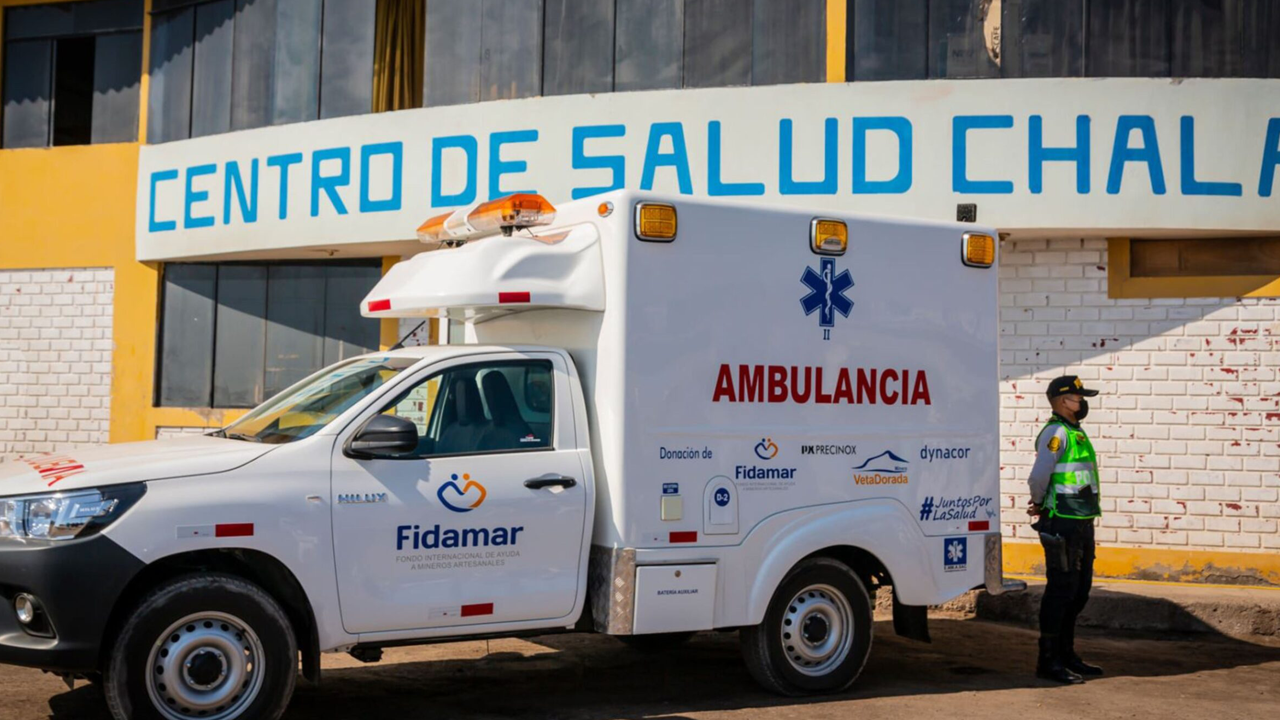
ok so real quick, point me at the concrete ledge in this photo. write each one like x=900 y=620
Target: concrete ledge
x=1238 y=612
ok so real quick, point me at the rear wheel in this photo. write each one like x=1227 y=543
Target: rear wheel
x=816 y=634
x=213 y=646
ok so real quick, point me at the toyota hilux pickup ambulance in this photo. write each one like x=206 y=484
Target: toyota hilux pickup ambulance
x=668 y=415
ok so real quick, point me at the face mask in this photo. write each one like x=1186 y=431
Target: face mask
x=1083 y=411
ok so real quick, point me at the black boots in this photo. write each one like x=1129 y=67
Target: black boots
x=1072 y=661
x=1049 y=666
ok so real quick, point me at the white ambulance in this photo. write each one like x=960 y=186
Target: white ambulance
x=668 y=415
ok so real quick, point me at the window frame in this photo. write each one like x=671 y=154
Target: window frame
x=464 y=363
x=1122 y=285
x=161 y=311
x=72 y=33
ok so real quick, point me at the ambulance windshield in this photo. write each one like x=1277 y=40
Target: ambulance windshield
x=306 y=408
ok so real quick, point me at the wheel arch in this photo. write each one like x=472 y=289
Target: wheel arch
x=877 y=539
x=256 y=566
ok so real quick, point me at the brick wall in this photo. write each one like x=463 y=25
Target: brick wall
x=1188 y=427
x=55 y=358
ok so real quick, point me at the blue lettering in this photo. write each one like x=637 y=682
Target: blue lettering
x=154 y=225
x=715 y=186
x=193 y=196
x=330 y=183
x=283 y=162
x=499 y=167
x=615 y=163
x=1266 y=177
x=787 y=184
x=232 y=180
x=678 y=158
x=1038 y=155
x=1149 y=153
x=899 y=183
x=960 y=127
x=396 y=151
x=1191 y=186
x=468 y=145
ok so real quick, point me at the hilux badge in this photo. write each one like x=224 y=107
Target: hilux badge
x=361 y=498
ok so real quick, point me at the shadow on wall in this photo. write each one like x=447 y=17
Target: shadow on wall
x=1188 y=424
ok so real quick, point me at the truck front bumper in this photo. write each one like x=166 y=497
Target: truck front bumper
x=993 y=562
x=75 y=585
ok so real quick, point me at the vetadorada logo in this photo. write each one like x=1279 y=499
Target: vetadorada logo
x=857 y=386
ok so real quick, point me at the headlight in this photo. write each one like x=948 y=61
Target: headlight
x=64 y=516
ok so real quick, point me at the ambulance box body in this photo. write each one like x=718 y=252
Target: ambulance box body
x=667 y=415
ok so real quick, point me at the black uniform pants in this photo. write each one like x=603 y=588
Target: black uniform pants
x=1069 y=567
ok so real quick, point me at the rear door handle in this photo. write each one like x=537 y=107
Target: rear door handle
x=542 y=482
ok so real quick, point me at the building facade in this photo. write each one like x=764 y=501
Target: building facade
x=194 y=196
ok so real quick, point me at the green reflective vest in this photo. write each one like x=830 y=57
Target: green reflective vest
x=1073 y=488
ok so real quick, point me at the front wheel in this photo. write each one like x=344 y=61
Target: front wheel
x=212 y=646
x=816 y=634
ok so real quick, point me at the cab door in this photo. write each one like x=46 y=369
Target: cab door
x=485 y=522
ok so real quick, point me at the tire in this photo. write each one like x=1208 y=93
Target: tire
x=655 y=643
x=223 y=644
x=816 y=634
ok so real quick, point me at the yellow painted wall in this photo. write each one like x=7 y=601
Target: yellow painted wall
x=1159 y=564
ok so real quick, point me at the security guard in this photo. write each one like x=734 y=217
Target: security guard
x=1065 y=499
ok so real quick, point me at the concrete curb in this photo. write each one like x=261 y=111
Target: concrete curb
x=1238 y=612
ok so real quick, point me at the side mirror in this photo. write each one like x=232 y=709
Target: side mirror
x=384 y=436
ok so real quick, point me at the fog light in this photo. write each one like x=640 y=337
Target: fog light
x=24 y=605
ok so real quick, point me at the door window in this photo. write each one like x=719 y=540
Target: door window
x=497 y=407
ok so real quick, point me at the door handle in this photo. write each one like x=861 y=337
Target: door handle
x=542 y=482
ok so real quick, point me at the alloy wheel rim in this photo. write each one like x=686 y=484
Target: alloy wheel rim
x=207 y=665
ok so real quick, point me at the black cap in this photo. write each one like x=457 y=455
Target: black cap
x=1068 y=385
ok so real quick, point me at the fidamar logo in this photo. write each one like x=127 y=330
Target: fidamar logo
x=826 y=294
x=463 y=498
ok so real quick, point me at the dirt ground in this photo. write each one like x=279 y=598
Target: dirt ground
x=972 y=669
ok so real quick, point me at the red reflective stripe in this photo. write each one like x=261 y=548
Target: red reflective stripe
x=976 y=525
x=512 y=297
x=233 y=530
x=376 y=305
x=477 y=609
x=684 y=537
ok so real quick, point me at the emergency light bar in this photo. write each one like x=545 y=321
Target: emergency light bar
x=504 y=215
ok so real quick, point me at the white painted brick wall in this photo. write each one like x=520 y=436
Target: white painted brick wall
x=55 y=358
x=1188 y=426
x=165 y=432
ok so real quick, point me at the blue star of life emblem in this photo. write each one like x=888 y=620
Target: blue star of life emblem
x=826 y=294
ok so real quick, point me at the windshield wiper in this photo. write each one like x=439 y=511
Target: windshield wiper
x=242 y=436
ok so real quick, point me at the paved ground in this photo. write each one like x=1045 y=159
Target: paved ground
x=973 y=669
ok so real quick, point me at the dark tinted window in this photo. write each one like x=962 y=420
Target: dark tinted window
x=235 y=334
x=237 y=64
x=1128 y=38
x=504 y=406
x=346 y=68
x=1042 y=39
x=72 y=73
x=886 y=39
x=579 y=47
x=717 y=43
x=964 y=39
x=649 y=44
x=789 y=41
